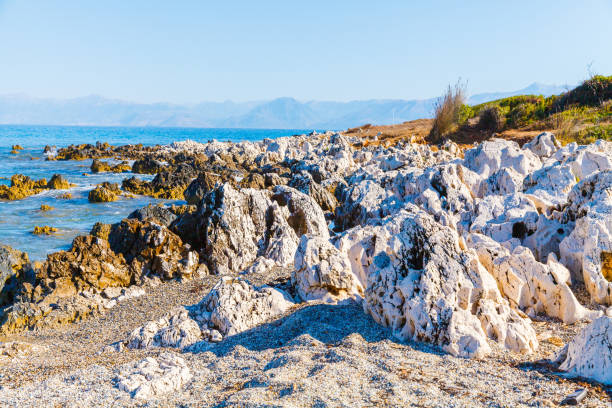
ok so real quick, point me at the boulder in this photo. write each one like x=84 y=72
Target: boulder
x=104 y=193
x=98 y=166
x=150 y=248
x=90 y=264
x=234 y=305
x=589 y=354
x=168 y=184
x=21 y=187
x=148 y=165
x=202 y=185
x=158 y=214
x=238 y=226
x=58 y=182
x=422 y=282
x=322 y=272
x=14 y=269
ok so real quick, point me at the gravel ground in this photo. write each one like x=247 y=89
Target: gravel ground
x=316 y=355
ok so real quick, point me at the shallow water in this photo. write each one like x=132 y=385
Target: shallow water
x=76 y=216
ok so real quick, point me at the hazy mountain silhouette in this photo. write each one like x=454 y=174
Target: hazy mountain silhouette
x=280 y=113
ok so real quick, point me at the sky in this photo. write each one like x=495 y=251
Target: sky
x=190 y=51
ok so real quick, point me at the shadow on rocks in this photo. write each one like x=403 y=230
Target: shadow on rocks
x=329 y=324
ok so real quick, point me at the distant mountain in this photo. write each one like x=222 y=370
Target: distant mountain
x=533 y=89
x=280 y=113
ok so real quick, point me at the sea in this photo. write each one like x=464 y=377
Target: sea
x=76 y=216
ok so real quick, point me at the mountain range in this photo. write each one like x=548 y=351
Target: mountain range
x=280 y=113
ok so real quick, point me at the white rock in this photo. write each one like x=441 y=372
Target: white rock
x=589 y=354
x=503 y=181
x=153 y=378
x=534 y=287
x=505 y=217
x=322 y=272
x=173 y=330
x=587 y=251
x=234 y=305
x=550 y=184
x=543 y=145
x=425 y=287
x=495 y=154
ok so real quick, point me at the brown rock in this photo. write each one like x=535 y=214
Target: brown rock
x=90 y=263
x=152 y=248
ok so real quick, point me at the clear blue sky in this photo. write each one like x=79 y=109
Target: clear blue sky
x=188 y=51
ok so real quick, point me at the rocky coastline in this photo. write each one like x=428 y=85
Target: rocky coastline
x=387 y=274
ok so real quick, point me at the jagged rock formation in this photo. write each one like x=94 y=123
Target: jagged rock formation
x=534 y=287
x=14 y=270
x=232 y=306
x=586 y=251
x=150 y=248
x=323 y=272
x=239 y=226
x=422 y=284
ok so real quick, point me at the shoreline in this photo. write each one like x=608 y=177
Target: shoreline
x=335 y=224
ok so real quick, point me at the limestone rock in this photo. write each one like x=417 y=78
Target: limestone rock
x=306 y=184
x=586 y=160
x=158 y=214
x=173 y=330
x=543 y=145
x=234 y=305
x=423 y=285
x=237 y=226
x=588 y=247
x=495 y=154
x=152 y=378
x=589 y=354
x=323 y=272
x=550 y=184
x=232 y=224
x=152 y=248
x=534 y=287
x=504 y=181
x=90 y=263
x=14 y=269
x=505 y=217
x=102 y=195
x=202 y=185
x=58 y=182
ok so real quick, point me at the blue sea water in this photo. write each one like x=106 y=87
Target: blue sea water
x=76 y=216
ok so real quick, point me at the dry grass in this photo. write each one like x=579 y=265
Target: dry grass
x=446 y=112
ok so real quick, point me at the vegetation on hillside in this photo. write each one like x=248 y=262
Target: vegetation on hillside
x=583 y=114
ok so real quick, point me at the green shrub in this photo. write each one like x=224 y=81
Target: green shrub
x=491 y=119
x=592 y=92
